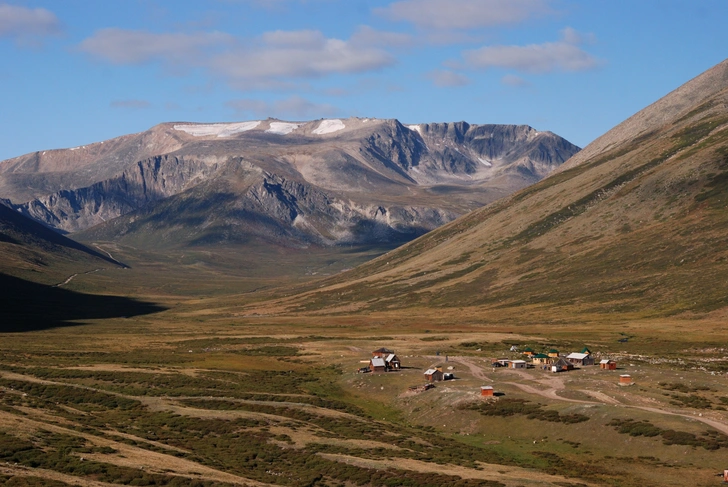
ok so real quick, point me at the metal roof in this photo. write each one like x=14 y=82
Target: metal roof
x=578 y=356
x=378 y=362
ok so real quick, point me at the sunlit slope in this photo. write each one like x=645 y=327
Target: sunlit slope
x=640 y=226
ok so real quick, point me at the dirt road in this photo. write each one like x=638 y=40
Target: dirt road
x=548 y=387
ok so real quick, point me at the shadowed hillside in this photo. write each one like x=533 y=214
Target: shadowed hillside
x=29 y=306
x=32 y=251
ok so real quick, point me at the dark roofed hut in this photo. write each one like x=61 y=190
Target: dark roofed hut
x=562 y=365
x=382 y=352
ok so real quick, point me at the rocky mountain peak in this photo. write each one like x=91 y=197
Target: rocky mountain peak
x=324 y=181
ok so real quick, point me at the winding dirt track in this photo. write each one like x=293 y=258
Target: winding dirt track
x=549 y=387
x=475 y=370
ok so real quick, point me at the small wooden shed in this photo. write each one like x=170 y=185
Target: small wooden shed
x=486 y=391
x=434 y=375
x=608 y=364
x=392 y=362
x=377 y=364
x=625 y=380
x=562 y=365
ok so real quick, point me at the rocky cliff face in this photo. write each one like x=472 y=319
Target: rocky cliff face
x=144 y=182
x=323 y=182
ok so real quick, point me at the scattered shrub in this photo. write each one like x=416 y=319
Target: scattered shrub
x=511 y=407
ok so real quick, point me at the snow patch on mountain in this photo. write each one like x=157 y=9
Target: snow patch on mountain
x=487 y=163
x=282 y=128
x=415 y=128
x=217 y=129
x=329 y=126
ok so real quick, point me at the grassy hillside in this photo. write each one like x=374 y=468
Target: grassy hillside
x=640 y=228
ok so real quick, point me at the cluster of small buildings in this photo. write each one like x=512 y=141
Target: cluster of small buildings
x=554 y=361
x=383 y=360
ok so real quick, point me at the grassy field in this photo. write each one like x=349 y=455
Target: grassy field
x=197 y=395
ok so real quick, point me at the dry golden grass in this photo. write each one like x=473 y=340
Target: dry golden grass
x=511 y=476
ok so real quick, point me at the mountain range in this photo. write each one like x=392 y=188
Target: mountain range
x=293 y=184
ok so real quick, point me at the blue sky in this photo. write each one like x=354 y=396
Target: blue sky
x=80 y=71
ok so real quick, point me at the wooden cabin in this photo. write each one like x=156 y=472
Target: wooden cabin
x=434 y=374
x=580 y=359
x=561 y=365
x=608 y=364
x=541 y=358
x=517 y=364
x=392 y=362
x=625 y=380
x=382 y=352
x=528 y=351
x=377 y=364
x=553 y=353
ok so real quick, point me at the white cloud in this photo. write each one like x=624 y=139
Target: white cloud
x=463 y=14
x=120 y=46
x=271 y=61
x=280 y=60
x=293 y=107
x=24 y=24
x=276 y=5
x=134 y=104
x=445 y=78
x=367 y=36
x=563 y=55
x=573 y=37
x=304 y=39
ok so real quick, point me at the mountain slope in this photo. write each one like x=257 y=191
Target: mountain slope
x=640 y=226
x=35 y=252
x=325 y=182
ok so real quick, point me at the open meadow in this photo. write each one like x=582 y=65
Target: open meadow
x=203 y=395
